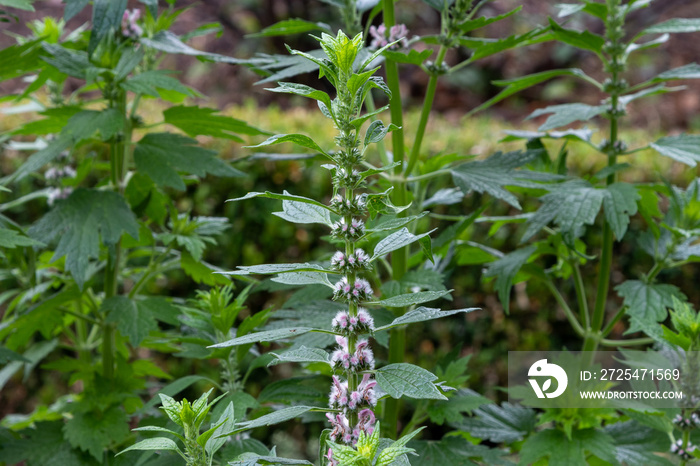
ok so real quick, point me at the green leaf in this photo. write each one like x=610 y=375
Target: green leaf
x=20 y=59
x=423 y=314
x=303 y=278
x=691 y=71
x=45 y=445
x=516 y=85
x=675 y=25
x=485 y=48
x=406 y=379
x=11 y=239
x=455 y=407
x=377 y=131
x=301 y=354
x=7 y=355
x=269 y=335
x=252 y=459
x=492 y=174
x=134 y=319
x=158 y=429
x=291 y=26
x=455 y=451
x=585 y=40
x=226 y=423
x=301 y=212
x=620 y=204
x=106 y=18
x=298 y=139
x=25 y=5
x=80 y=221
x=599 y=10
x=149 y=82
x=638 y=444
x=482 y=21
x=95 y=431
x=505 y=269
x=507 y=423
x=410 y=299
x=412 y=57
x=396 y=241
x=200 y=121
x=285 y=197
x=563 y=451
x=162 y=155
x=562 y=115
x=150 y=444
x=647 y=303
x=166 y=41
x=268 y=269
x=396 y=223
x=303 y=90
x=684 y=148
x=281 y=415
x=571 y=205
x=73 y=7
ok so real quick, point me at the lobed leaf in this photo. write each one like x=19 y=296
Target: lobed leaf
x=647 y=303
x=505 y=269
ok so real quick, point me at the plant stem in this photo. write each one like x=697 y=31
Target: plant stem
x=425 y=112
x=581 y=295
x=399 y=258
x=567 y=310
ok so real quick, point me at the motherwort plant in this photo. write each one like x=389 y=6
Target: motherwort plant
x=356 y=384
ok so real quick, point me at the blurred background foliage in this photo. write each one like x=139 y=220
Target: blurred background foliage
x=254 y=236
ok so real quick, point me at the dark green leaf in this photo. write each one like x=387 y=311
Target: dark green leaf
x=199 y=121
x=301 y=354
x=492 y=174
x=281 y=415
x=455 y=407
x=270 y=335
x=268 y=269
x=483 y=21
x=563 y=451
x=585 y=40
x=11 y=239
x=25 y=5
x=620 y=204
x=396 y=241
x=516 y=85
x=162 y=155
x=395 y=223
x=149 y=82
x=291 y=26
x=505 y=269
x=7 y=355
x=412 y=57
x=486 y=48
x=439 y=5
x=506 y=423
x=285 y=197
x=684 y=148
x=17 y=60
x=225 y=424
x=406 y=379
x=106 y=18
x=95 y=431
x=45 y=445
x=71 y=62
x=647 y=303
x=562 y=115
x=298 y=139
x=251 y=459
x=73 y=7
x=410 y=299
x=454 y=451
x=79 y=221
x=637 y=444
x=134 y=319
x=150 y=444
x=305 y=91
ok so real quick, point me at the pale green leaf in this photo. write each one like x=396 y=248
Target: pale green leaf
x=562 y=451
x=301 y=212
x=266 y=336
x=423 y=314
x=562 y=115
x=301 y=354
x=675 y=25
x=298 y=139
x=291 y=26
x=200 y=121
x=158 y=443
x=396 y=241
x=410 y=299
x=506 y=423
x=684 y=148
x=167 y=42
x=285 y=197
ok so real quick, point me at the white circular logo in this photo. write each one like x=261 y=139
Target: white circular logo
x=542 y=368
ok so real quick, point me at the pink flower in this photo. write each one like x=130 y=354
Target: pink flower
x=129 y=26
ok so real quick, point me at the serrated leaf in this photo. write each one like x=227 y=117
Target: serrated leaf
x=563 y=451
x=675 y=25
x=162 y=155
x=445 y=196
x=106 y=17
x=562 y=115
x=571 y=205
x=285 y=197
x=638 y=444
x=505 y=269
x=301 y=354
x=149 y=82
x=303 y=278
x=620 y=204
x=585 y=40
x=396 y=241
x=151 y=444
x=506 y=423
x=94 y=431
x=410 y=299
x=298 y=139
x=647 y=302
x=301 y=212
x=423 y=314
x=516 y=85
x=200 y=121
x=134 y=319
x=406 y=379
x=411 y=57
x=455 y=451
x=80 y=221
x=291 y=26
x=281 y=415
x=270 y=335
x=684 y=148
x=453 y=410
x=167 y=42
x=305 y=91
x=496 y=172
x=10 y=239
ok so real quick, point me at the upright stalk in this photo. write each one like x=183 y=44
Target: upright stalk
x=614 y=86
